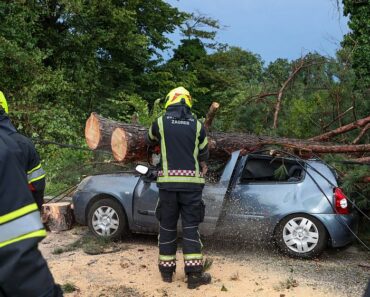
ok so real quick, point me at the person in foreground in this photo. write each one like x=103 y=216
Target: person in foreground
x=23 y=270
x=32 y=163
x=184 y=152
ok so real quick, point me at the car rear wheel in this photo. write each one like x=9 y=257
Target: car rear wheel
x=107 y=219
x=301 y=236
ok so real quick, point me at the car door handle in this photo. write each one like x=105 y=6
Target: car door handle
x=146 y=212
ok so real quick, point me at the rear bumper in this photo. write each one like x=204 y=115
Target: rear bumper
x=339 y=233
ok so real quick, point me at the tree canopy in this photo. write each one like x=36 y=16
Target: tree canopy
x=61 y=60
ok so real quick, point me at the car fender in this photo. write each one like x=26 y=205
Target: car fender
x=118 y=186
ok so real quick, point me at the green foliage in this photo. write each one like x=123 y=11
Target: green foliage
x=351 y=180
x=358 y=40
x=68 y=288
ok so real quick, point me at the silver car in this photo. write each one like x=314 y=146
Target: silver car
x=256 y=197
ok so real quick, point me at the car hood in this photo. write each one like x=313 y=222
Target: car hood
x=109 y=183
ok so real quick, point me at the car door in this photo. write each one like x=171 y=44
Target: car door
x=145 y=202
x=253 y=206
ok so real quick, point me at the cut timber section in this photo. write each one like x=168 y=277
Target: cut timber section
x=128 y=143
x=58 y=216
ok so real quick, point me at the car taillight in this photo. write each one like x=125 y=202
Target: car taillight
x=340 y=200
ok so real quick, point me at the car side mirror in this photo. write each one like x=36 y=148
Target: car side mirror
x=142 y=169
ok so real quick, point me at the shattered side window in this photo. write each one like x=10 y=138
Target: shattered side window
x=269 y=169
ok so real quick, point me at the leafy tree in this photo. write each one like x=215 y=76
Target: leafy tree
x=359 y=38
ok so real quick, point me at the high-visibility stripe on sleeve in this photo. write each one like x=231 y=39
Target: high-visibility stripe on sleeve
x=163 y=147
x=24 y=225
x=34 y=169
x=204 y=143
x=18 y=213
x=36 y=174
x=38 y=233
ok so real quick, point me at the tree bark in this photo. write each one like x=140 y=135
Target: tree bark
x=343 y=129
x=211 y=115
x=364 y=160
x=128 y=143
x=98 y=131
x=58 y=216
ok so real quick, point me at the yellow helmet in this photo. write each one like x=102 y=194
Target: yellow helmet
x=3 y=102
x=176 y=96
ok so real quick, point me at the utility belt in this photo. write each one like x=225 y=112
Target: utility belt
x=21 y=224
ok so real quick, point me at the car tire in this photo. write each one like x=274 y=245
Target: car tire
x=301 y=236
x=106 y=218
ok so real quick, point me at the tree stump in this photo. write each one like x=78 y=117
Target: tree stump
x=58 y=216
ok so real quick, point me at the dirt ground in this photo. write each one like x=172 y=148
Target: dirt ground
x=129 y=268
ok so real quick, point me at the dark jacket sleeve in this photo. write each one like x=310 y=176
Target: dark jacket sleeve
x=203 y=145
x=153 y=137
x=34 y=170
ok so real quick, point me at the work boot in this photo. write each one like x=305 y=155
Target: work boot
x=167 y=277
x=196 y=279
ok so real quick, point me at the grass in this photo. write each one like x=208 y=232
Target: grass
x=207 y=264
x=90 y=245
x=68 y=288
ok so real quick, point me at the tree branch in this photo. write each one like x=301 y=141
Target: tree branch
x=326 y=136
x=362 y=132
x=302 y=63
x=211 y=115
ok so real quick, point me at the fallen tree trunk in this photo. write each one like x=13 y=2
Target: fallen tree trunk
x=58 y=216
x=99 y=131
x=326 y=136
x=128 y=143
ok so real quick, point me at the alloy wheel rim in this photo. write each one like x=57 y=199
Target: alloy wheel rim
x=105 y=221
x=300 y=235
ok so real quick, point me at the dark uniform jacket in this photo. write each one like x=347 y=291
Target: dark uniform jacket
x=184 y=145
x=31 y=160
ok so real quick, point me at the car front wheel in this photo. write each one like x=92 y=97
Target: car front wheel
x=106 y=218
x=301 y=236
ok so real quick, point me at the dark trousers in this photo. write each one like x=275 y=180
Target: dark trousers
x=191 y=207
x=24 y=272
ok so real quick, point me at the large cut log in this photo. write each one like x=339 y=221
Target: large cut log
x=58 y=216
x=128 y=143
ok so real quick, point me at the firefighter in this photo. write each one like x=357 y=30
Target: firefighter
x=23 y=270
x=184 y=152
x=32 y=165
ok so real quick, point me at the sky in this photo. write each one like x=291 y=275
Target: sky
x=274 y=28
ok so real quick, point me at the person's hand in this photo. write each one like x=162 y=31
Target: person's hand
x=204 y=168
